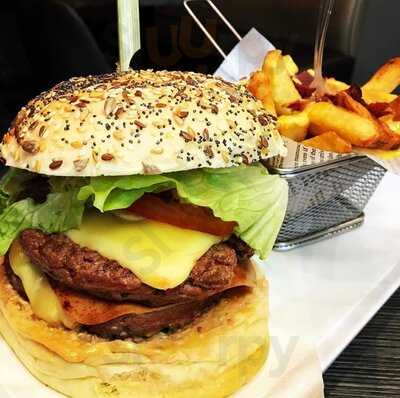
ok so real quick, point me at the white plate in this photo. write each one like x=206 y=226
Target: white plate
x=333 y=289
x=342 y=282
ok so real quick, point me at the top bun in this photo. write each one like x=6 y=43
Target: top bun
x=140 y=122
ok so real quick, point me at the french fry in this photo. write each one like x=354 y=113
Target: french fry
x=294 y=126
x=386 y=79
x=371 y=96
x=329 y=141
x=386 y=139
x=353 y=128
x=369 y=118
x=291 y=66
x=283 y=89
x=347 y=102
x=260 y=88
x=336 y=85
x=392 y=124
x=271 y=60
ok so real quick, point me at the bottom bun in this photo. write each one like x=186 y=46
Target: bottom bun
x=220 y=351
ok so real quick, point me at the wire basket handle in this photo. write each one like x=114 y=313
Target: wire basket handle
x=203 y=28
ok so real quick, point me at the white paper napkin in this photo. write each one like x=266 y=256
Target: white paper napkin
x=246 y=57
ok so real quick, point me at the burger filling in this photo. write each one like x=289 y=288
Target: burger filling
x=69 y=277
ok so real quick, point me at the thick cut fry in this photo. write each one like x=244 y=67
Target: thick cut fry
x=371 y=96
x=294 y=126
x=336 y=85
x=386 y=139
x=387 y=78
x=329 y=141
x=271 y=60
x=283 y=89
x=260 y=88
x=351 y=127
x=291 y=66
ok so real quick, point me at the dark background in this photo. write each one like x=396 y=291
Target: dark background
x=45 y=41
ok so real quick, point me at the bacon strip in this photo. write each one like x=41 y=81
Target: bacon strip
x=379 y=109
x=303 y=81
x=88 y=310
x=395 y=105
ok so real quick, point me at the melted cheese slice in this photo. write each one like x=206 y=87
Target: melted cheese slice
x=43 y=300
x=160 y=255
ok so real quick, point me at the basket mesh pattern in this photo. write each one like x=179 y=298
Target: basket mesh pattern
x=324 y=199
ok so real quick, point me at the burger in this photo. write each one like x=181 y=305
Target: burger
x=129 y=215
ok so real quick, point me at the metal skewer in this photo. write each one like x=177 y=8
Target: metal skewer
x=203 y=28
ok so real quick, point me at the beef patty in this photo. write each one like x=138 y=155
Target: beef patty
x=83 y=269
x=165 y=319
x=168 y=320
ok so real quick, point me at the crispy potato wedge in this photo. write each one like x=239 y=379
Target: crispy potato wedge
x=259 y=86
x=283 y=89
x=371 y=96
x=387 y=78
x=353 y=128
x=294 y=126
x=291 y=66
x=329 y=141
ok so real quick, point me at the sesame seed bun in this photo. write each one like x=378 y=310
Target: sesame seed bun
x=140 y=122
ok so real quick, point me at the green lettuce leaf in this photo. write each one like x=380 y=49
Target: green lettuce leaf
x=61 y=211
x=248 y=195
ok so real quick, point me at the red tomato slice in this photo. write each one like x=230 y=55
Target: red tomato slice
x=181 y=215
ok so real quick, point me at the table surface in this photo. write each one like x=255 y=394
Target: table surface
x=370 y=365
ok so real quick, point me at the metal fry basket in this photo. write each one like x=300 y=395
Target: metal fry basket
x=326 y=199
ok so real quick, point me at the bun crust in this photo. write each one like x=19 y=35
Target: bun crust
x=140 y=122
x=220 y=352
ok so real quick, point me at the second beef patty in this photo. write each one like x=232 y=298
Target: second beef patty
x=87 y=270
